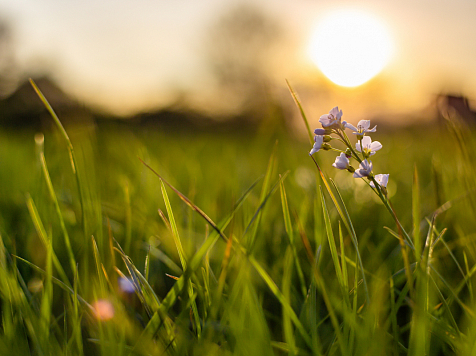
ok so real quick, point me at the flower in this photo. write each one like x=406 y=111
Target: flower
x=368 y=147
x=364 y=170
x=126 y=285
x=103 y=309
x=331 y=120
x=320 y=132
x=319 y=139
x=362 y=127
x=341 y=162
x=381 y=179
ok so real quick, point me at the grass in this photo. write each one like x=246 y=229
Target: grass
x=234 y=244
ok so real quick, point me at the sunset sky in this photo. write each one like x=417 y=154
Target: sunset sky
x=128 y=56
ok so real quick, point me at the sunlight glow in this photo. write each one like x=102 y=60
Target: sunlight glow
x=350 y=47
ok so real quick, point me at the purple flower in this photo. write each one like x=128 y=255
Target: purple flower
x=368 y=147
x=364 y=170
x=381 y=179
x=331 y=120
x=362 y=127
x=341 y=162
x=126 y=285
x=319 y=139
x=320 y=132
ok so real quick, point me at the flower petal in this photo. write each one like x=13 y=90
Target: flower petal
x=341 y=162
x=350 y=126
x=365 y=168
x=366 y=141
x=325 y=120
x=336 y=113
x=317 y=145
x=363 y=125
x=375 y=146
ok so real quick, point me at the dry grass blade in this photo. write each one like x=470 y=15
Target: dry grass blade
x=301 y=110
x=188 y=202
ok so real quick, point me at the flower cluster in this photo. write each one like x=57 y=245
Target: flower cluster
x=364 y=147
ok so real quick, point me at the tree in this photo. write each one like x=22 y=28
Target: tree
x=240 y=50
x=8 y=73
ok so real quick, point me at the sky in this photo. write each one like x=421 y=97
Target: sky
x=127 y=56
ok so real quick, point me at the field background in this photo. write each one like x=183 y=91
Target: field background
x=231 y=308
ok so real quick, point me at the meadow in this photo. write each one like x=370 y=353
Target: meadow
x=122 y=240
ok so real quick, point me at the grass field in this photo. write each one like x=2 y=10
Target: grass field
x=234 y=244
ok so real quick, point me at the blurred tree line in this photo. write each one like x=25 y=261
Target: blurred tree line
x=238 y=49
x=8 y=69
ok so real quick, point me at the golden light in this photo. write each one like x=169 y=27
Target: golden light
x=350 y=47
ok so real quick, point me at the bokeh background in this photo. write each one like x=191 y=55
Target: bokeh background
x=230 y=59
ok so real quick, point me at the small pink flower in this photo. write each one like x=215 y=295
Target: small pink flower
x=103 y=309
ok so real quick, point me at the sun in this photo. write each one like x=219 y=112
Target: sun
x=350 y=47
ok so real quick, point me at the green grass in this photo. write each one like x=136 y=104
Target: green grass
x=235 y=244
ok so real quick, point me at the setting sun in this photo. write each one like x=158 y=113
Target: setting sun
x=350 y=47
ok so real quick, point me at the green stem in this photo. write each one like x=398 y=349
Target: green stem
x=403 y=235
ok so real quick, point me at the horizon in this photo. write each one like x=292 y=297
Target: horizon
x=146 y=56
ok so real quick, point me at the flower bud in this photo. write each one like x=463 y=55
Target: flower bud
x=348 y=153
x=327 y=138
x=320 y=132
x=350 y=169
x=326 y=147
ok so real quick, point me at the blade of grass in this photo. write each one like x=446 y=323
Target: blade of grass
x=454 y=294
x=393 y=317
x=183 y=260
x=347 y=223
x=416 y=214
x=154 y=323
x=325 y=296
x=73 y=162
x=147 y=264
x=193 y=206
x=470 y=284
x=58 y=282
x=263 y=203
x=447 y=308
x=301 y=110
x=47 y=297
x=173 y=227
x=262 y=199
x=222 y=279
x=128 y=223
x=62 y=130
x=51 y=190
x=286 y=286
x=332 y=246
x=146 y=295
x=97 y=259
x=40 y=230
x=290 y=233
x=279 y=295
